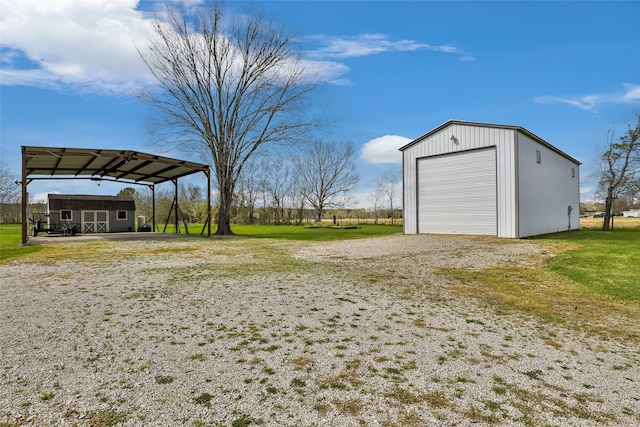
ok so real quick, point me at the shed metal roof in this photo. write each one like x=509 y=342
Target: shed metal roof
x=118 y=165
x=85 y=201
x=516 y=128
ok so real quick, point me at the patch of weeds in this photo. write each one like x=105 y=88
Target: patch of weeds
x=322 y=408
x=410 y=365
x=353 y=364
x=407 y=397
x=393 y=371
x=245 y=421
x=340 y=381
x=474 y=414
x=198 y=356
x=491 y=405
x=164 y=379
x=297 y=382
x=349 y=406
x=436 y=400
x=106 y=418
x=403 y=395
x=269 y=371
x=203 y=399
x=47 y=396
x=411 y=419
x=272 y=390
x=534 y=374
x=499 y=389
x=553 y=343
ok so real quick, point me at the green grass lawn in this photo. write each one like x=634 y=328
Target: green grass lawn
x=11 y=242
x=11 y=234
x=293 y=232
x=286 y=232
x=607 y=263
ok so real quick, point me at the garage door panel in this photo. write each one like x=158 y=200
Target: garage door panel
x=457 y=193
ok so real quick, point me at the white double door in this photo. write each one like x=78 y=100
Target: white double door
x=95 y=221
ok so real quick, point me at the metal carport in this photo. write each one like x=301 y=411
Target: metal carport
x=124 y=166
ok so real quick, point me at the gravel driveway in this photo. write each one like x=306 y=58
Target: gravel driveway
x=239 y=332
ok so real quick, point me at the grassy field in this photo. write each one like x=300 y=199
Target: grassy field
x=11 y=235
x=11 y=242
x=586 y=279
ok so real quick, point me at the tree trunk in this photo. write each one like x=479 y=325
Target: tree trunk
x=607 y=211
x=224 y=214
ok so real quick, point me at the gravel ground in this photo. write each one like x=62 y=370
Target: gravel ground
x=255 y=332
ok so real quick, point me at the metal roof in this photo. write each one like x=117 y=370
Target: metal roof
x=85 y=201
x=125 y=166
x=516 y=128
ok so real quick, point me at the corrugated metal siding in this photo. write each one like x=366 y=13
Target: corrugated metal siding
x=546 y=190
x=468 y=137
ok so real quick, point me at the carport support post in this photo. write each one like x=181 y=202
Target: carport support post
x=208 y=174
x=25 y=198
x=153 y=207
x=177 y=231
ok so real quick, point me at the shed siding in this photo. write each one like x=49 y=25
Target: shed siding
x=548 y=188
x=468 y=137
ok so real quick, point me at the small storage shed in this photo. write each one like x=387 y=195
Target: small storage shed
x=486 y=179
x=91 y=214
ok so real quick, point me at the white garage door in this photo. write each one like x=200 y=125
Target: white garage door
x=457 y=193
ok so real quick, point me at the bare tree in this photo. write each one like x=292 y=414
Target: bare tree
x=619 y=169
x=248 y=190
x=388 y=186
x=9 y=188
x=228 y=86
x=277 y=182
x=326 y=173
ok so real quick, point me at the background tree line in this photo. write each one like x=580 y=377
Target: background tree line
x=288 y=189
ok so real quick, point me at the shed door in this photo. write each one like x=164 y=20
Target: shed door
x=457 y=193
x=95 y=221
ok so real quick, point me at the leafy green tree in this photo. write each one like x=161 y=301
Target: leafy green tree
x=127 y=191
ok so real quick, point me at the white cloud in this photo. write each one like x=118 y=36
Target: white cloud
x=86 y=43
x=630 y=95
x=384 y=149
x=371 y=44
x=90 y=45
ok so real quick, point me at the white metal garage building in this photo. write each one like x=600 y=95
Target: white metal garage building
x=478 y=178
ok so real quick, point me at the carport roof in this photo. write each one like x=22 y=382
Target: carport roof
x=117 y=165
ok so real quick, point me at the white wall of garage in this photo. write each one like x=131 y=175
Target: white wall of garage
x=512 y=186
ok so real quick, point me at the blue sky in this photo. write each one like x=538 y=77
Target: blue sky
x=391 y=71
